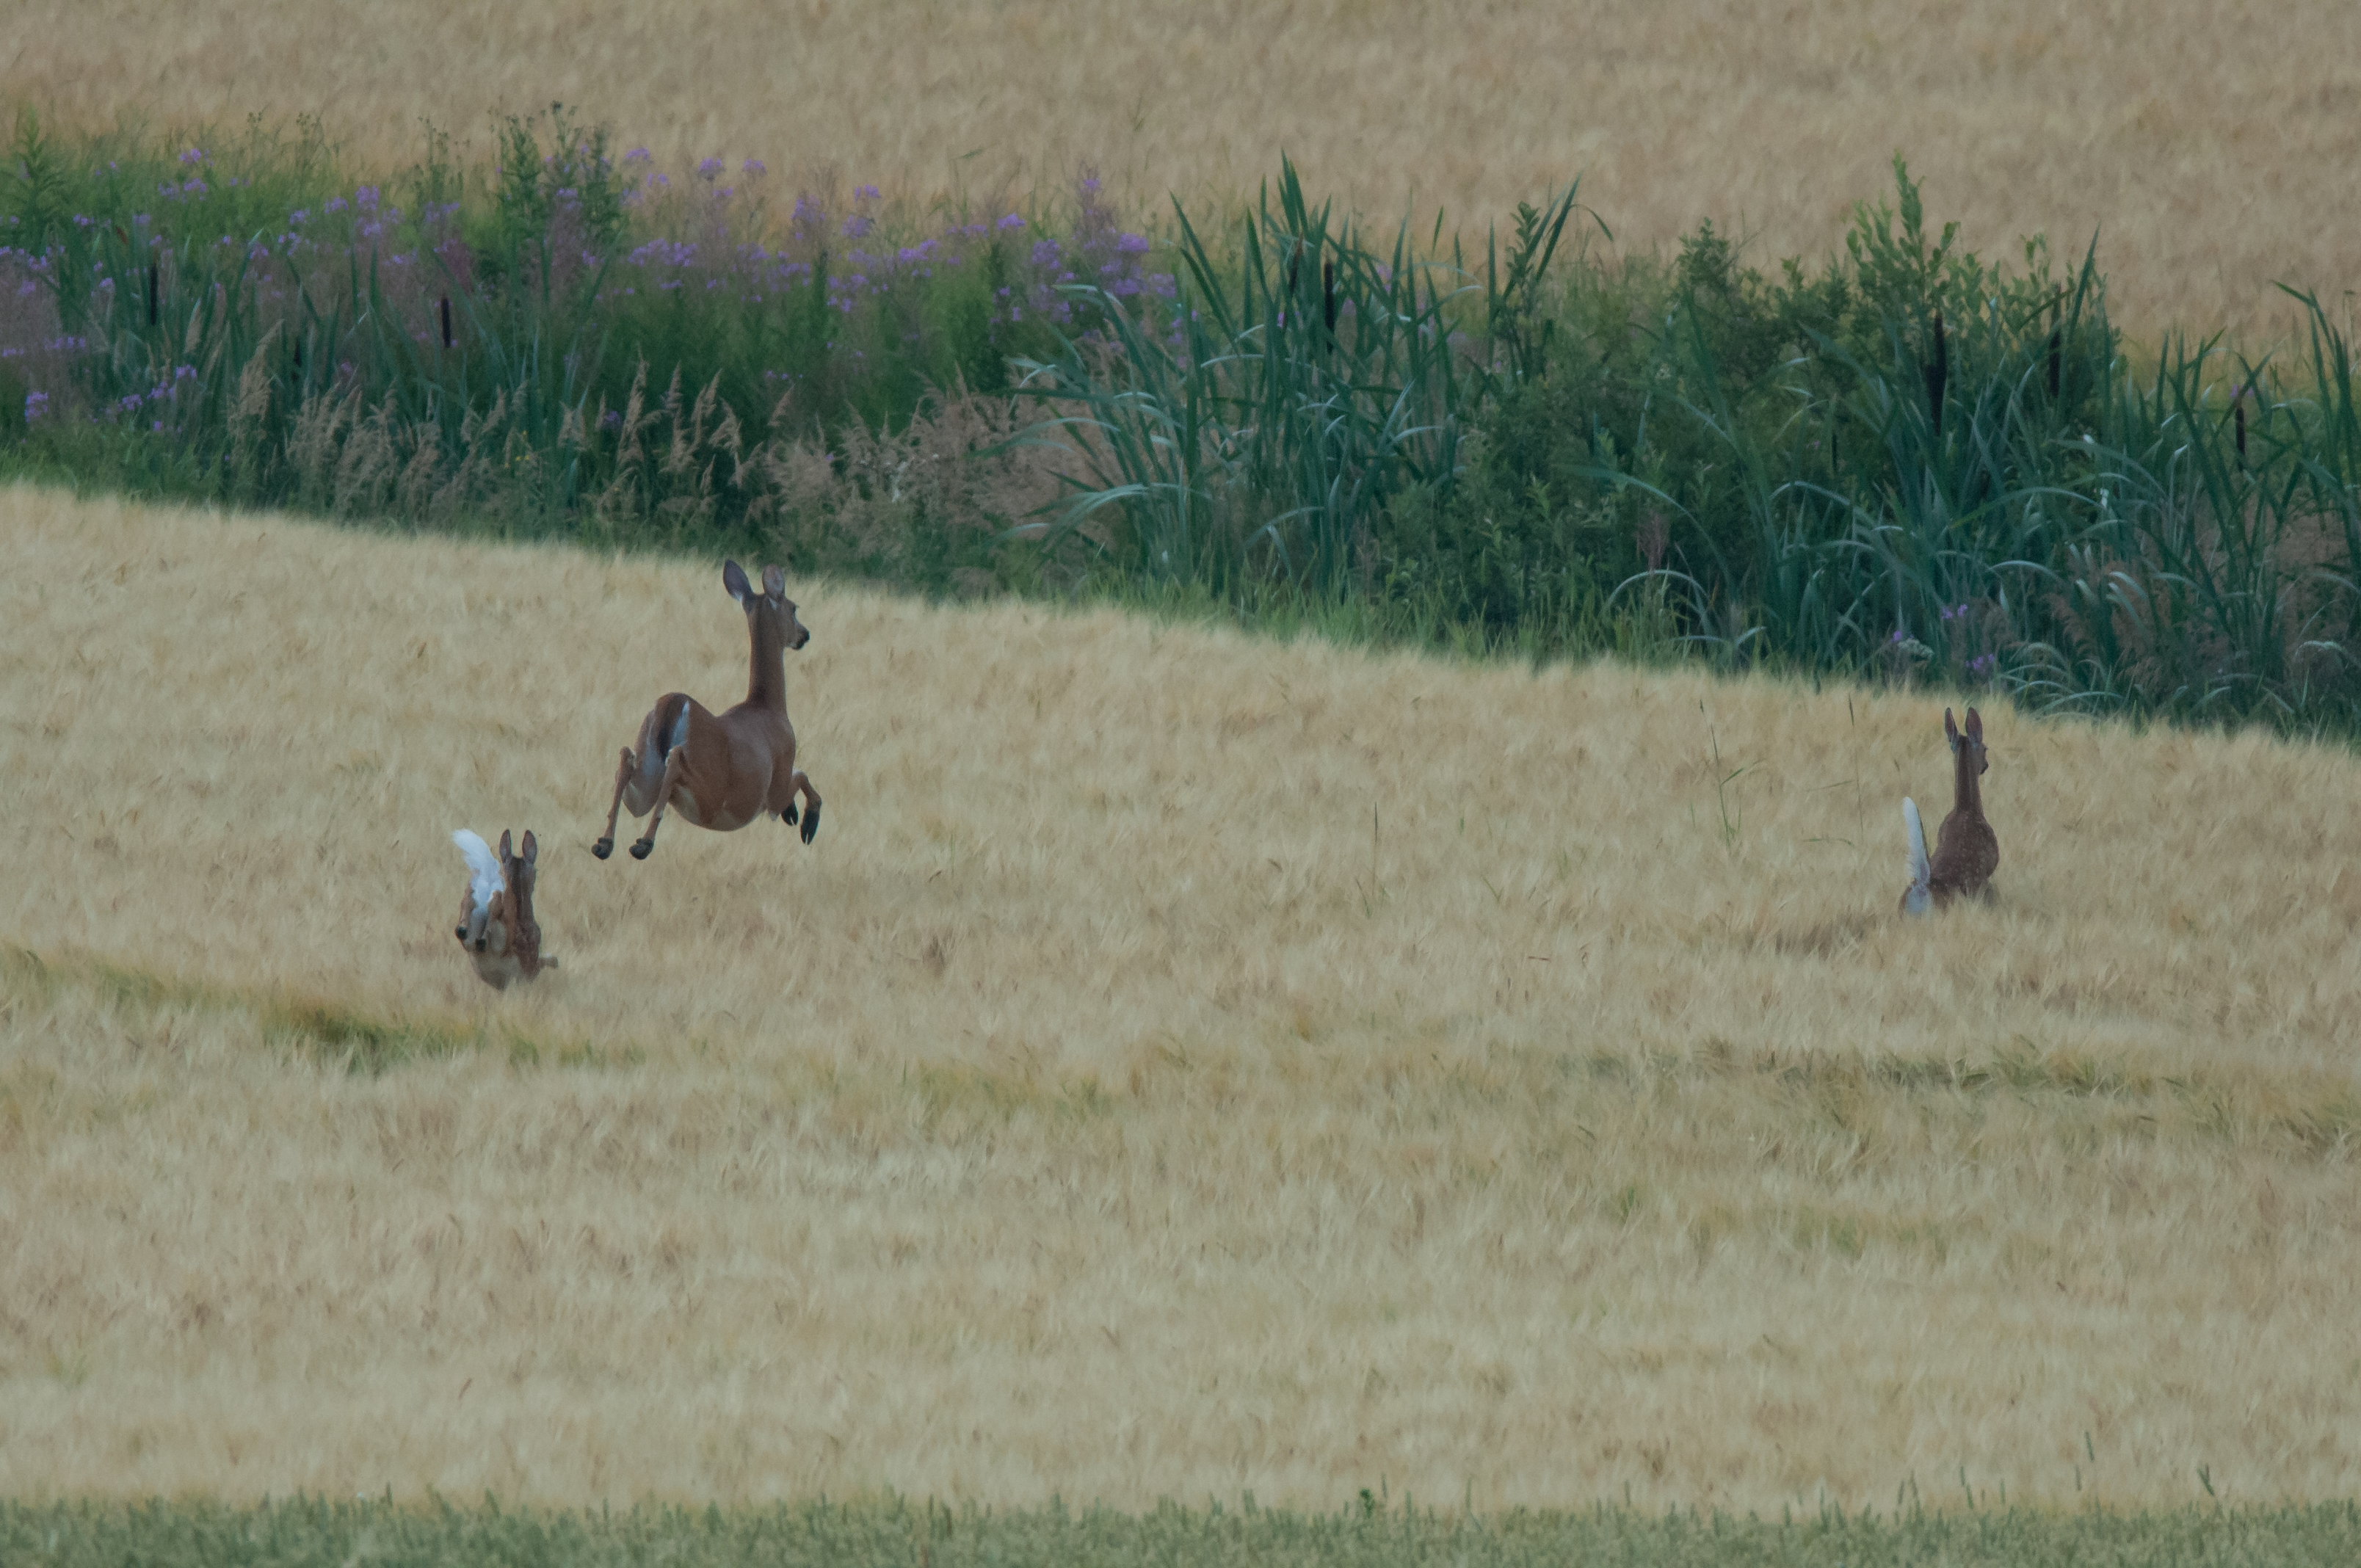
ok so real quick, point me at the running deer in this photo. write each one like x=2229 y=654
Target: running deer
x=1965 y=849
x=723 y=771
x=496 y=923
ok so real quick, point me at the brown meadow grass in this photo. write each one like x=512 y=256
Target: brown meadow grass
x=2203 y=140
x=1185 y=1064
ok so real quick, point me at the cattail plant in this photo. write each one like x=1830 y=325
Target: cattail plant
x=2057 y=350
x=1939 y=375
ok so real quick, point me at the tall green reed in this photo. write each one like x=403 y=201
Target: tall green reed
x=1302 y=383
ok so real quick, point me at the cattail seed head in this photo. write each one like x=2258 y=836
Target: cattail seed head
x=2057 y=348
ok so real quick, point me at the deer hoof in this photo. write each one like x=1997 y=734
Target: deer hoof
x=640 y=850
x=811 y=823
x=603 y=848
x=788 y=816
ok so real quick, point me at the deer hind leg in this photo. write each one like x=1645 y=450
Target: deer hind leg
x=623 y=771
x=674 y=765
x=640 y=774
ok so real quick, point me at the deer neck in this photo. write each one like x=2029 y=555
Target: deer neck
x=766 y=681
x=1967 y=794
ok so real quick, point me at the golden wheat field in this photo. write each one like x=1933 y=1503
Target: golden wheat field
x=1183 y=1065
x=2206 y=141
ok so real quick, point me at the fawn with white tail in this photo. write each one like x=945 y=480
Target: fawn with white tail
x=1965 y=849
x=496 y=923
x=722 y=772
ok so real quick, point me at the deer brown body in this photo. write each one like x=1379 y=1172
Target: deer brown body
x=501 y=934
x=1966 y=850
x=722 y=771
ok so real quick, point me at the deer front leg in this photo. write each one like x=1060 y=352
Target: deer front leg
x=798 y=785
x=674 y=767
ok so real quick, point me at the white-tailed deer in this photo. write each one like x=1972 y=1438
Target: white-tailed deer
x=1966 y=852
x=722 y=772
x=496 y=923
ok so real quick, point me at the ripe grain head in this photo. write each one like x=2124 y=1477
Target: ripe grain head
x=2195 y=136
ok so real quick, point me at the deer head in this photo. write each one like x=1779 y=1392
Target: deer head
x=520 y=874
x=1974 y=740
x=770 y=610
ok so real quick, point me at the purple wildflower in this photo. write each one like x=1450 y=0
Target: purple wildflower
x=1011 y=222
x=36 y=405
x=708 y=166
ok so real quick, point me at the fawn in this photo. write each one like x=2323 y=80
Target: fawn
x=496 y=923
x=1965 y=849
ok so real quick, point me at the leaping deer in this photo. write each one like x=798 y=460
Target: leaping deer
x=723 y=771
x=1966 y=850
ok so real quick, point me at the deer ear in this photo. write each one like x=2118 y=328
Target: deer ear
x=531 y=849
x=733 y=577
x=1975 y=726
x=774 y=582
x=505 y=855
x=1950 y=730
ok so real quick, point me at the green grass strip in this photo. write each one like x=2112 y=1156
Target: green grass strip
x=893 y=1532
x=332 y=1032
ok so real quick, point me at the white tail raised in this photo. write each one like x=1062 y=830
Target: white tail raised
x=484 y=880
x=1918 y=898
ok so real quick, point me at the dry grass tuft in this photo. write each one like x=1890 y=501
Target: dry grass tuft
x=1183 y=1064
x=2202 y=141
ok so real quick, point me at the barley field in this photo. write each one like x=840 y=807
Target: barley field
x=2202 y=140
x=1183 y=1065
